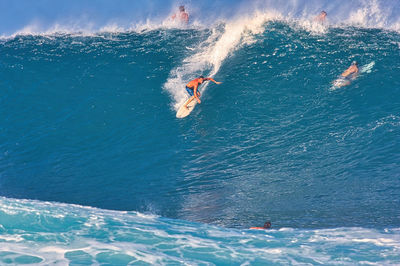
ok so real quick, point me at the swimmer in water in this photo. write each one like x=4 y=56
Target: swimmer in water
x=183 y=16
x=267 y=225
x=321 y=17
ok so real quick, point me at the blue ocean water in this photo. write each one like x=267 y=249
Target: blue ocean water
x=35 y=232
x=96 y=168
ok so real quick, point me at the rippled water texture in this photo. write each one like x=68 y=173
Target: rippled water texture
x=49 y=233
x=91 y=121
x=95 y=168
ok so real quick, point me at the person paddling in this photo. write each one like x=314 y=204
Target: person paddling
x=353 y=69
x=349 y=74
x=192 y=89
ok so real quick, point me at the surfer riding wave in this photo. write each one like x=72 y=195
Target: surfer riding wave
x=192 y=89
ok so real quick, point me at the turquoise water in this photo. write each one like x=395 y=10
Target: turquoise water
x=35 y=232
x=88 y=119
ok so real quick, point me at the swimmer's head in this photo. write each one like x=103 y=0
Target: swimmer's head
x=267 y=224
x=201 y=77
x=182 y=8
x=354 y=63
x=322 y=15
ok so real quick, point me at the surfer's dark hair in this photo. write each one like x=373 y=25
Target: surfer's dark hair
x=201 y=77
x=181 y=8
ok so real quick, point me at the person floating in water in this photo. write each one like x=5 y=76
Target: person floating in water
x=267 y=225
x=183 y=16
x=321 y=17
x=192 y=88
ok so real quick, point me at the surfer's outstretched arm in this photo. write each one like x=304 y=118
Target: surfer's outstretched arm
x=211 y=79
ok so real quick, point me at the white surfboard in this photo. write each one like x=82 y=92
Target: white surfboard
x=367 y=68
x=183 y=111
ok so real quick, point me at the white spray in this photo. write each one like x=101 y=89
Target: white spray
x=211 y=53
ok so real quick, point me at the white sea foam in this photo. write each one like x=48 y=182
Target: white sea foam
x=372 y=13
x=362 y=13
x=11 y=238
x=121 y=236
x=390 y=121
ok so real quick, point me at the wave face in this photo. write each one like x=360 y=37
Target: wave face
x=88 y=118
x=43 y=233
x=91 y=120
